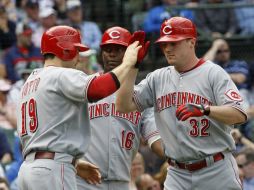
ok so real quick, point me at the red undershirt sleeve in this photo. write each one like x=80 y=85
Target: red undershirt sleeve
x=102 y=86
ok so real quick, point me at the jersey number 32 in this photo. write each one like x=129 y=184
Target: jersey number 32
x=29 y=109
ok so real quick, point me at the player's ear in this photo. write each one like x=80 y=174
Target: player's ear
x=192 y=42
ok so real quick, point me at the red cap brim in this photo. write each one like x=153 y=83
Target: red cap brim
x=171 y=38
x=113 y=42
x=81 y=47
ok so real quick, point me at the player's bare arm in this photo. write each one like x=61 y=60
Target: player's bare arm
x=124 y=101
x=227 y=115
x=108 y=83
x=157 y=148
x=129 y=60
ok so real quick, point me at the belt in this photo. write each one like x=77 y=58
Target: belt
x=196 y=165
x=51 y=156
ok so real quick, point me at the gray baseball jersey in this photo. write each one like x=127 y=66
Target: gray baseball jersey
x=196 y=137
x=52 y=113
x=115 y=140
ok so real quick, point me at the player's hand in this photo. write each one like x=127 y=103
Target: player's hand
x=131 y=54
x=89 y=172
x=186 y=111
x=140 y=36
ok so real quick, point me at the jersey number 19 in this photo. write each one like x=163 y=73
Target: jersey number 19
x=30 y=107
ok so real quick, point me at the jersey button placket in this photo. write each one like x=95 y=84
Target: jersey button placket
x=113 y=137
x=179 y=131
x=180 y=82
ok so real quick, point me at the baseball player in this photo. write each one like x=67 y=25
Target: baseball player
x=116 y=137
x=196 y=104
x=53 y=121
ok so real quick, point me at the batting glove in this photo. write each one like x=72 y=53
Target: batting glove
x=140 y=36
x=186 y=111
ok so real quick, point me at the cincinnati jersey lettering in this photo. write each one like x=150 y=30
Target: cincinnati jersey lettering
x=105 y=109
x=178 y=98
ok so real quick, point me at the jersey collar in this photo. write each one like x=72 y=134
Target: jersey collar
x=200 y=62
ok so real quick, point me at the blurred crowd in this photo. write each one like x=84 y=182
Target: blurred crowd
x=22 y=23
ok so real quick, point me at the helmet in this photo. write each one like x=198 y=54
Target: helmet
x=116 y=35
x=62 y=41
x=177 y=29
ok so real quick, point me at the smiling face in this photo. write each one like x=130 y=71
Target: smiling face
x=112 y=56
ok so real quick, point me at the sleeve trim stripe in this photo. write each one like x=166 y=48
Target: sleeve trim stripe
x=241 y=110
x=153 y=139
x=115 y=79
x=140 y=108
x=151 y=135
x=86 y=87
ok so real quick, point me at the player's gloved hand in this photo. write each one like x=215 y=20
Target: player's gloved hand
x=89 y=172
x=140 y=36
x=186 y=111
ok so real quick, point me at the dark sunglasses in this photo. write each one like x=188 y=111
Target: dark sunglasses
x=222 y=51
x=243 y=165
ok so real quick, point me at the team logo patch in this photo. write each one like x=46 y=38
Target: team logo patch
x=167 y=29
x=233 y=95
x=114 y=34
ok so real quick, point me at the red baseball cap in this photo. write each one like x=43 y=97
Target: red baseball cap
x=176 y=29
x=116 y=35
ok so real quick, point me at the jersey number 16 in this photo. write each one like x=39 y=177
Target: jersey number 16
x=127 y=139
x=30 y=107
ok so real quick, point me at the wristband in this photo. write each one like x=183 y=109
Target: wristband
x=206 y=110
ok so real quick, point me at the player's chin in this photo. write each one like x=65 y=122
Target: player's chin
x=112 y=66
x=170 y=58
x=171 y=61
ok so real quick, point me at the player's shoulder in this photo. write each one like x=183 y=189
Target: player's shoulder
x=209 y=63
x=70 y=71
x=158 y=74
x=212 y=65
x=212 y=69
x=160 y=71
x=57 y=73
